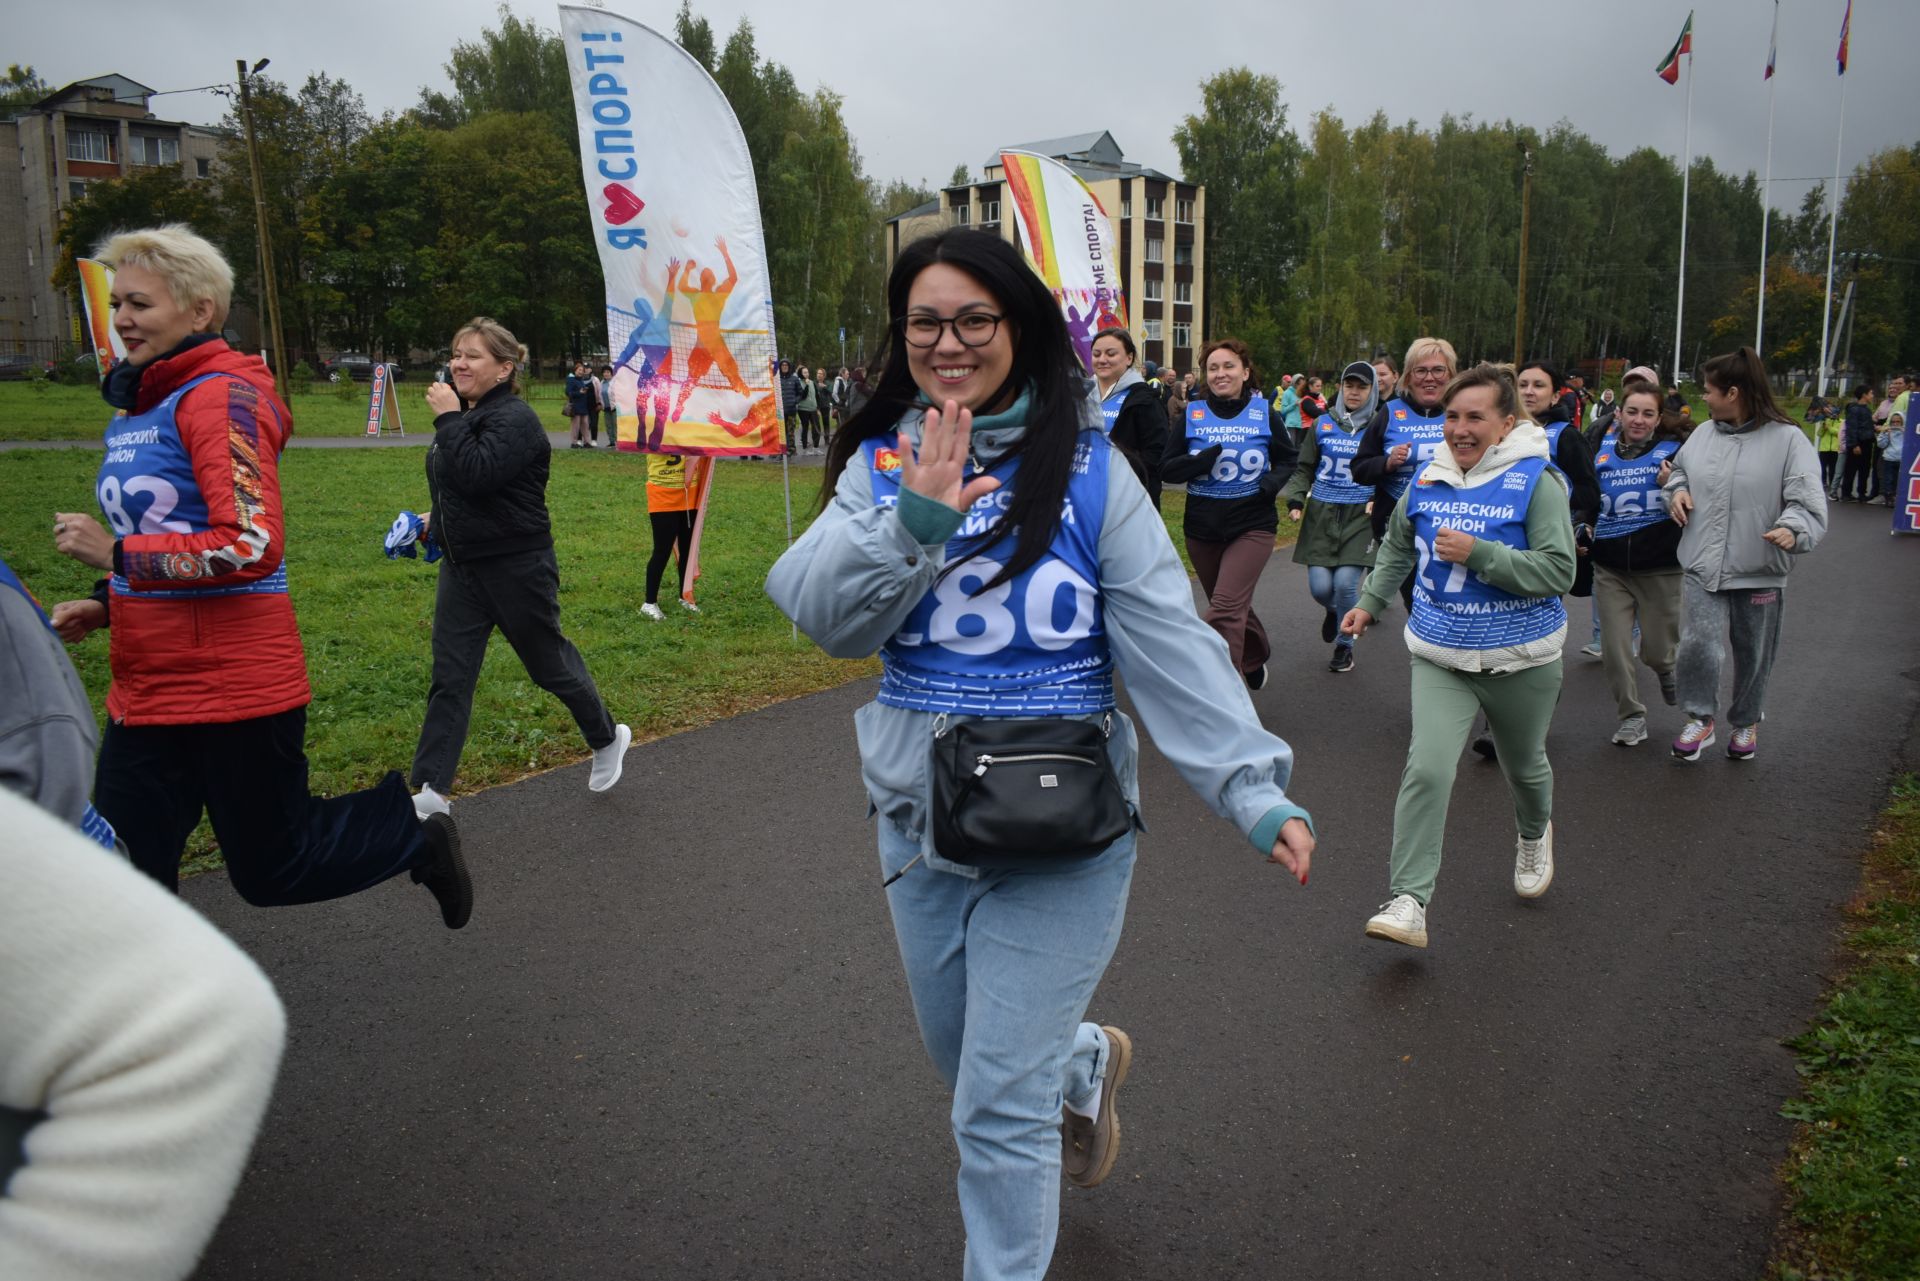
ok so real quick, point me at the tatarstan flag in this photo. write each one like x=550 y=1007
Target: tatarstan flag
x=1669 y=68
x=1846 y=26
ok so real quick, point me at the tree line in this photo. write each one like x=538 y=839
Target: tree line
x=389 y=232
x=1356 y=239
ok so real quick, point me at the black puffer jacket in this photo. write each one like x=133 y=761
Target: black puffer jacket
x=487 y=472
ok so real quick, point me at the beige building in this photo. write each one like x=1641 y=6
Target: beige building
x=1158 y=220
x=88 y=131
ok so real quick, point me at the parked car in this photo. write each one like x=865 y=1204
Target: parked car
x=358 y=366
x=14 y=366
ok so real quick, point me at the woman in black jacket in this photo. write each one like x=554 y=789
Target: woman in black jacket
x=1233 y=456
x=1133 y=413
x=487 y=473
x=582 y=407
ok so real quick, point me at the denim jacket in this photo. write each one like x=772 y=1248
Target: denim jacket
x=851 y=580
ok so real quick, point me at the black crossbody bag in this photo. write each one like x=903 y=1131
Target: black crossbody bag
x=1024 y=793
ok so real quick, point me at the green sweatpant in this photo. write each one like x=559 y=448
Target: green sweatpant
x=1519 y=707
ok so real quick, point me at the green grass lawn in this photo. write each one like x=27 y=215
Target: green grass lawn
x=366 y=621
x=1853 y=1179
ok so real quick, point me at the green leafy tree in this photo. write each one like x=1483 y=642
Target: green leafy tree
x=21 y=87
x=125 y=204
x=517 y=66
x=1241 y=148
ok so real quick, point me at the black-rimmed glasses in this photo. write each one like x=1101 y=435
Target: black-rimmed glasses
x=972 y=328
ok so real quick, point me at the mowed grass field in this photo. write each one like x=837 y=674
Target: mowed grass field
x=366 y=621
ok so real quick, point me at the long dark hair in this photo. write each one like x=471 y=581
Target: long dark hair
x=1741 y=371
x=1044 y=365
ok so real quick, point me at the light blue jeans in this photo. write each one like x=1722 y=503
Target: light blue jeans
x=1002 y=969
x=1338 y=589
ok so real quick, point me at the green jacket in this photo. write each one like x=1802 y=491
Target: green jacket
x=1331 y=534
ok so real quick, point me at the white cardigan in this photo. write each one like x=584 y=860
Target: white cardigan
x=149 y=1041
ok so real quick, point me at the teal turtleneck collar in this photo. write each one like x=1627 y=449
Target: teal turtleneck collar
x=993 y=434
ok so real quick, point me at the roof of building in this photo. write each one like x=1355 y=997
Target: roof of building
x=1091 y=155
x=123 y=88
x=918 y=211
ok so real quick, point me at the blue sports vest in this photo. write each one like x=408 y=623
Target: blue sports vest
x=1553 y=431
x=147 y=486
x=1630 y=495
x=1455 y=607
x=1333 y=478
x=1246 y=448
x=1110 y=409
x=1036 y=645
x=1424 y=436
x=92 y=824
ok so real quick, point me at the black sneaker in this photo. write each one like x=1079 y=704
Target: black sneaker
x=1342 y=660
x=444 y=872
x=1330 y=628
x=1257 y=679
x=1484 y=746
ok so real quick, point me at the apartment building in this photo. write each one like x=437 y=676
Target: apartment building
x=87 y=132
x=1158 y=220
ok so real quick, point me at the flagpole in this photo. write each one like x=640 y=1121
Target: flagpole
x=1766 y=186
x=1686 y=180
x=1833 y=226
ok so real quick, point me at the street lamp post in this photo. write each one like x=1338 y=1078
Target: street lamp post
x=276 y=345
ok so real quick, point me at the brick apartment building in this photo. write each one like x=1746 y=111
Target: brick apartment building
x=88 y=131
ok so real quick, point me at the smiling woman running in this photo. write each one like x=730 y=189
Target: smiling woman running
x=1484 y=531
x=981 y=534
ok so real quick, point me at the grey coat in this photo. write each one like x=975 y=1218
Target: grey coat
x=1745 y=481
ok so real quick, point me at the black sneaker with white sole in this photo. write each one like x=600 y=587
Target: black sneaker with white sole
x=1330 y=627
x=1342 y=660
x=444 y=870
x=1257 y=679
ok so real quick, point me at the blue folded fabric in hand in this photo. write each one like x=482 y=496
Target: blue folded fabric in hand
x=407 y=532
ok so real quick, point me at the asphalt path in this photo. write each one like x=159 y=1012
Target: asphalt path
x=675 y=1041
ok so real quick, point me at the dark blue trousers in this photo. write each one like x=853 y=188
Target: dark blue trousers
x=281 y=844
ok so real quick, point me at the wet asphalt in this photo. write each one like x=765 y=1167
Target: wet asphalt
x=675 y=1041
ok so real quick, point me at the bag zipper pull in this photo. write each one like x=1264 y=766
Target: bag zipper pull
x=980 y=765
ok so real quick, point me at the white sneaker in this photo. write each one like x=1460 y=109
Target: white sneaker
x=652 y=611
x=1533 y=865
x=1632 y=731
x=608 y=761
x=1400 y=919
x=689 y=606
x=427 y=801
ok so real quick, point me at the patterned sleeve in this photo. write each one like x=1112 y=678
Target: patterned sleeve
x=233 y=436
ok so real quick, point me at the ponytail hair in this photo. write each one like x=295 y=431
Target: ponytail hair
x=1742 y=373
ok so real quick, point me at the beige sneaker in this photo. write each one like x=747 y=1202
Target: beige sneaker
x=1533 y=864
x=1088 y=1147
x=1400 y=919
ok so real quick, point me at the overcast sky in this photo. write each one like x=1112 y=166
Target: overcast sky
x=927 y=87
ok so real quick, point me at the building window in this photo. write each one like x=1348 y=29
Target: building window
x=1126 y=207
x=1155 y=247
x=1183 y=292
x=1182 y=334
x=989 y=211
x=959 y=215
x=1150 y=329
x=155 y=151
x=1183 y=255
x=202 y=167
x=76 y=191
x=87 y=144
x=1183 y=210
x=1154 y=292
x=1156 y=207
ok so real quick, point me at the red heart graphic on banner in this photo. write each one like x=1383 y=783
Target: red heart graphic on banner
x=622 y=205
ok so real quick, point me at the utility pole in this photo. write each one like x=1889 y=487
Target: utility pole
x=280 y=383
x=1526 y=224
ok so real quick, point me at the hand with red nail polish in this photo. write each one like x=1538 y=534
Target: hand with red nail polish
x=1294 y=848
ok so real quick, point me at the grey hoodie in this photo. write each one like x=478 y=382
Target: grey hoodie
x=1745 y=480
